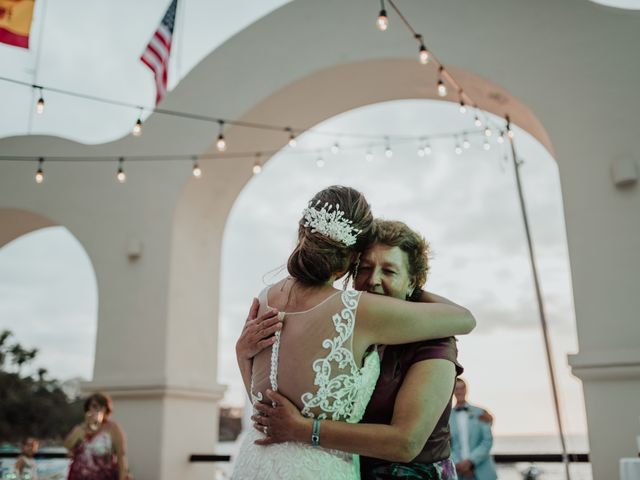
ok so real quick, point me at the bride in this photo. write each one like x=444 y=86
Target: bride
x=321 y=357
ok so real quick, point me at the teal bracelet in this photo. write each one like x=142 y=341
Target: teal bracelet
x=315 y=433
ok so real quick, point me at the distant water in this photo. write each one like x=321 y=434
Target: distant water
x=542 y=444
x=57 y=469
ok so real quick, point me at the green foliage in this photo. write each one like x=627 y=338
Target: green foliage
x=31 y=407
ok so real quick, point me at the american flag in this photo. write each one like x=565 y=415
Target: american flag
x=156 y=55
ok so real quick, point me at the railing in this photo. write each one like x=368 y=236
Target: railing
x=540 y=457
x=499 y=458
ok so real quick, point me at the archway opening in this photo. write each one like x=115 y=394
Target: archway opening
x=49 y=301
x=465 y=203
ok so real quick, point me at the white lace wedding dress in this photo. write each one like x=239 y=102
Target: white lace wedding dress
x=312 y=364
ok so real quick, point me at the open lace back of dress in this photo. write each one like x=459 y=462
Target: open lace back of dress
x=306 y=336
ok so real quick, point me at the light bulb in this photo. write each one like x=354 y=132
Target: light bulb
x=196 y=171
x=487 y=132
x=382 y=22
x=424 y=55
x=477 y=122
x=368 y=156
x=335 y=148
x=40 y=106
x=421 y=152
x=458 y=150
x=320 y=162
x=500 y=138
x=257 y=168
x=463 y=107
x=509 y=132
x=39 y=176
x=221 y=143
x=442 y=88
x=292 y=141
x=137 y=128
x=486 y=145
x=466 y=143
x=427 y=149
x=121 y=176
x=388 y=152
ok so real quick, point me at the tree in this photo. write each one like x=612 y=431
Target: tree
x=29 y=407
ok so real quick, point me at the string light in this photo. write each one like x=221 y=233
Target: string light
x=427 y=149
x=486 y=145
x=382 y=22
x=458 y=149
x=466 y=144
x=387 y=151
x=40 y=104
x=423 y=53
x=509 y=131
x=137 y=128
x=442 y=88
x=368 y=156
x=221 y=143
x=292 y=138
x=120 y=175
x=421 y=152
x=335 y=148
x=487 y=132
x=40 y=173
x=320 y=162
x=500 y=138
x=257 y=166
x=476 y=121
x=463 y=106
x=196 y=171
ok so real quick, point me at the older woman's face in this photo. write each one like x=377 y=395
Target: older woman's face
x=384 y=270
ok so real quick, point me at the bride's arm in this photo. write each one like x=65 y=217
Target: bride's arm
x=425 y=393
x=256 y=335
x=385 y=320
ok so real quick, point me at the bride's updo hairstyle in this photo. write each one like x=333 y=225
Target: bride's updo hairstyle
x=318 y=255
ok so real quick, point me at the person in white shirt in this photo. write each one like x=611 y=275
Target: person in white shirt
x=471 y=438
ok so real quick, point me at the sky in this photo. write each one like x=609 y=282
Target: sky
x=465 y=205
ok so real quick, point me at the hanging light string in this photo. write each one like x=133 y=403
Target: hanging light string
x=386 y=143
x=445 y=77
x=292 y=132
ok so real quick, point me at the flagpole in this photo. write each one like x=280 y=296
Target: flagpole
x=182 y=6
x=37 y=64
x=543 y=321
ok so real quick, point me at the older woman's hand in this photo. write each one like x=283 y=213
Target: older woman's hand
x=281 y=422
x=258 y=332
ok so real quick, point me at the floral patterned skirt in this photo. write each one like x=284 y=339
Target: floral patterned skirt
x=441 y=470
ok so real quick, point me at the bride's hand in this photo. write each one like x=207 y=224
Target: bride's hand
x=258 y=332
x=282 y=423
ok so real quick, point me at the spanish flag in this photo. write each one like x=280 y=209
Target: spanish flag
x=15 y=21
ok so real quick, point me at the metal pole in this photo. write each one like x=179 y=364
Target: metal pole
x=543 y=321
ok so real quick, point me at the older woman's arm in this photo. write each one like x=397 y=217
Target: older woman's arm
x=423 y=396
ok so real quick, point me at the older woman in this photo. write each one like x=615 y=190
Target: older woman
x=97 y=445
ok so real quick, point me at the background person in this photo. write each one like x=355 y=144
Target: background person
x=471 y=438
x=97 y=445
x=26 y=468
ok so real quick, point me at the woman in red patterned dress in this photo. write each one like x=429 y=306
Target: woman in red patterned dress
x=97 y=445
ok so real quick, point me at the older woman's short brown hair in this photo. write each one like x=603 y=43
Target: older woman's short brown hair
x=101 y=399
x=398 y=234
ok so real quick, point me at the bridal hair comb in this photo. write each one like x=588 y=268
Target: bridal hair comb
x=330 y=222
